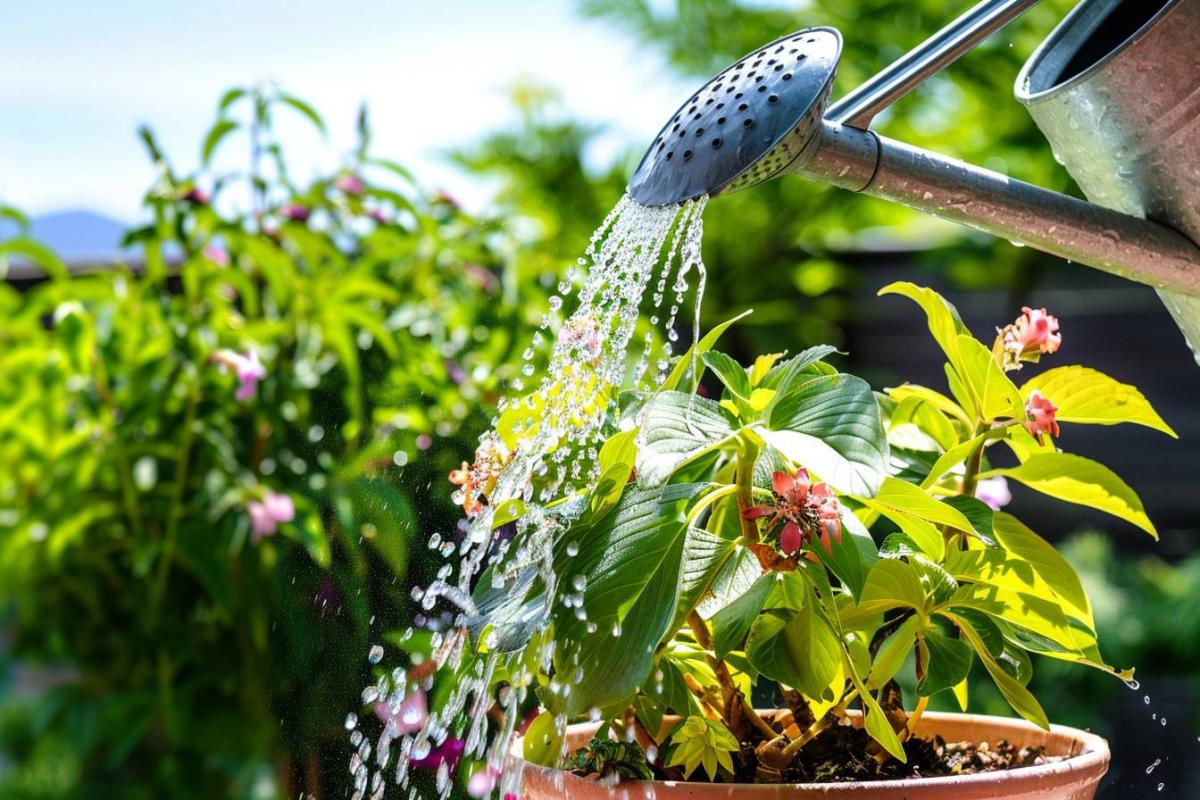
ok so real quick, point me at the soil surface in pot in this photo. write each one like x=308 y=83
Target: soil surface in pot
x=843 y=752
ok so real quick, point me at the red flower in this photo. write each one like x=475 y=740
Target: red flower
x=807 y=510
x=295 y=212
x=1041 y=415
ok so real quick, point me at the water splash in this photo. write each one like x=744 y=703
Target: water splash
x=534 y=468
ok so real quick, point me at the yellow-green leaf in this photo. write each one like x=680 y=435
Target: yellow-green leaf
x=1086 y=396
x=1076 y=479
x=996 y=396
x=1020 y=698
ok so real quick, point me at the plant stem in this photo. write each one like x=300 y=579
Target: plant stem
x=974 y=462
x=175 y=513
x=819 y=727
x=748 y=452
x=735 y=704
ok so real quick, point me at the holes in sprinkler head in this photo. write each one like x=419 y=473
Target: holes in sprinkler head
x=699 y=132
x=683 y=133
x=737 y=96
x=773 y=98
x=670 y=154
x=778 y=67
x=720 y=105
x=759 y=80
x=787 y=76
x=687 y=154
x=716 y=143
x=743 y=106
x=720 y=120
x=749 y=123
x=801 y=57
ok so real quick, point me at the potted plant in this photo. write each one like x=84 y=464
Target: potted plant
x=805 y=539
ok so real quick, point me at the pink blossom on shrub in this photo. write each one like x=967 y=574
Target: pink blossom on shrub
x=349 y=183
x=1041 y=415
x=409 y=716
x=266 y=514
x=1032 y=335
x=197 y=196
x=994 y=492
x=248 y=369
x=482 y=782
x=217 y=255
x=295 y=212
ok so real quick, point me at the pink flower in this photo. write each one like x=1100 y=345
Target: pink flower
x=349 y=183
x=482 y=782
x=217 y=255
x=807 y=510
x=448 y=752
x=1032 y=335
x=196 y=196
x=380 y=216
x=295 y=212
x=994 y=492
x=266 y=514
x=248 y=369
x=409 y=716
x=1041 y=415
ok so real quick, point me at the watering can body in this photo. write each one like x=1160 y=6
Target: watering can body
x=1116 y=91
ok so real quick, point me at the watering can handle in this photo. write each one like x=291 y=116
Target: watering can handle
x=860 y=106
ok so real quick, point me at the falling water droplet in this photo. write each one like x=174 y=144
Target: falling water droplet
x=351 y=721
x=376 y=654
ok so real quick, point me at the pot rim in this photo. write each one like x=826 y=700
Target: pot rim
x=1088 y=766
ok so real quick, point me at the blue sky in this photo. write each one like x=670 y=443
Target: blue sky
x=79 y=77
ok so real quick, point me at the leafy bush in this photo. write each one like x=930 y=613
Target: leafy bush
x=217 y=455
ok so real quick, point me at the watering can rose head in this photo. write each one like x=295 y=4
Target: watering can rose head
x=798 y=528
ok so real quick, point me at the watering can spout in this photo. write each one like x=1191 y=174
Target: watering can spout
x=768 y=115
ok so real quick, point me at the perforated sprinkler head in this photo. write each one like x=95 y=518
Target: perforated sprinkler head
x=745 y=125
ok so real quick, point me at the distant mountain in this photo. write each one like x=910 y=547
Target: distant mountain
x=77 y=236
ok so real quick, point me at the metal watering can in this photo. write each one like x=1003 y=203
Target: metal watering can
x=1115 y=89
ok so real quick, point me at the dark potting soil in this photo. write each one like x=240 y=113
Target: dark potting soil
x=843 y=753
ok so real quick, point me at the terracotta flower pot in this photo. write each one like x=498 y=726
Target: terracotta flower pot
x=1074 y=778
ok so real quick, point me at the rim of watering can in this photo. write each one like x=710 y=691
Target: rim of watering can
x=821 y=98
x=1075 y=29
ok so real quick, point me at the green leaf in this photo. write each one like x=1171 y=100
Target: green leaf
x=893 y=583
x=831 y=425
x=1020 y=698
x=852 y=558
x=732 y=623
x=729 y=372
x=797 y=649
x=305 y=109
x=933 y=398
x=229 y=98
x=995 y=395
x=386 y=521
x=615 y=463
x=944 y=322
x=220 y=129
x=1076 y=479
x=630 y=558
x=1026 y=609
x=1090 y=397
x=978 y=513
x=37 y=253
x=543 y=741
x=1049 y=564
x=697 y=742
x=895 y=648
x=681 y=368
x=945 y=660
x=917 y=514
x=782 y=377
x=678 y=428
x=704 y=556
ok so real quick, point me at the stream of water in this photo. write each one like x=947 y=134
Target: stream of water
x=529 y=459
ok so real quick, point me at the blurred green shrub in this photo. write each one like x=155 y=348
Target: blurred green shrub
x=217 y=455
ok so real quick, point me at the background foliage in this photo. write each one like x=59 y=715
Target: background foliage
x=185 y=660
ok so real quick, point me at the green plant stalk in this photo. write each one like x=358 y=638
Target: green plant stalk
x=733 y=698
x=124 y=471
x=748 y=452
x=176 y=511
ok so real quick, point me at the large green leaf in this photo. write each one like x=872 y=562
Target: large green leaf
x=1091 y=397
x=1076 y=479
x=893 y=651
x=831 y=425
x=677 y=428
x=730 y=373
x=917 y=514
x=629 y=560
x=1050 y=565
x=1032 y=611
x=705 y=554
x=944 y=322
x=1020 y=698
x=798 y=649
x=732 y=623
